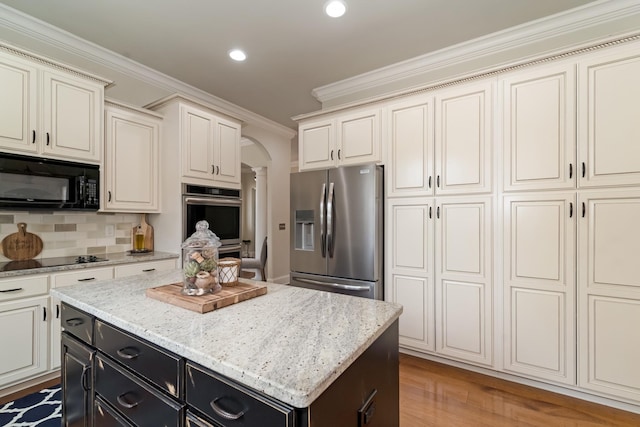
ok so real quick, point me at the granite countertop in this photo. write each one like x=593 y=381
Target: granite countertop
x=12 y=268
x=291 y=343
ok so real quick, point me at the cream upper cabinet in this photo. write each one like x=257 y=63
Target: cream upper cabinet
x=608 y=125
x=539 y=286
x=131 y=178
x=538 y=128
x=349 y=138
x=609 y=292
x=409 y=132
x=464 y=138
x=410 y=276
x=50 y=112
x=210 y=148
x=464 y=279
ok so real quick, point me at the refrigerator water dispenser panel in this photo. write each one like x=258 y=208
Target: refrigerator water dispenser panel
x=304 y=231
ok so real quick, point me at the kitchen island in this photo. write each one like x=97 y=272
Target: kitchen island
x=293 y=357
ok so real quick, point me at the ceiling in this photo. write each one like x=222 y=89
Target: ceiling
x=292 y=46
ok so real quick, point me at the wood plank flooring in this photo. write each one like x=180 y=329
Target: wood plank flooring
x=437 y=395
x=433 y=394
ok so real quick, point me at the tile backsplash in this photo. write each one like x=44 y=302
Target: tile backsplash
x=67 y=233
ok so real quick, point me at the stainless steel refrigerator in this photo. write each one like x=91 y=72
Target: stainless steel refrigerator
x=337 y=230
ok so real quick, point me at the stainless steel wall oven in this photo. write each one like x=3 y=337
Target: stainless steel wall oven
x=221 y=208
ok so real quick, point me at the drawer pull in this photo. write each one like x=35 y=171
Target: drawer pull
x=87 y=279
x=148 y=270
x=76 y=321
x=224 y=414
x=11 y=290
x=128 y=353
x=126 y=403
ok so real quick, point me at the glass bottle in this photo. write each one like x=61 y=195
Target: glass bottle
x=200 y=261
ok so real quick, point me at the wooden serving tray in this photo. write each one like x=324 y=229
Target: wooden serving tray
x=229 y=295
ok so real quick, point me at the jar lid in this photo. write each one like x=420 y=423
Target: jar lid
x=202 y=238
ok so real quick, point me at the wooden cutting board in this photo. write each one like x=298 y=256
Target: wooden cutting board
x=21 y=246
x=147 y=230
x=172 y=294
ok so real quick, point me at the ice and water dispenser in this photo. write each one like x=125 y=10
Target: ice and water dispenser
x=304 y=230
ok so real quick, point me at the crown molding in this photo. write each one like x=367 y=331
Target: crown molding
x=561 y=24
x=67 y=42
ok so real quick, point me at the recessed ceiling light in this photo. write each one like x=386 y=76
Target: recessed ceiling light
x=335 y=8
x=237 y=55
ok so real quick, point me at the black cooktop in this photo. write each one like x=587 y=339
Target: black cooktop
x=50 y=262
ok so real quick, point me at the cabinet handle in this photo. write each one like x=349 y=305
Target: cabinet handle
x=570 y=170
x=109 y=192
x=57 y=311
x=124 y=402
x=438 y=212
x=339 y=154
x=224 y=414
x=47 y=138
x=213 y=170
x=438 y=181
x=128 y=353
x=83 y=378
x=33 y=136
x=217 y=170
x=148 y=270
x=430 y=212
x=44 y=314
x=584 y=209
x=429 y=181
x=331 y=154
x=584 y=169
x=87 y=279
x=10 y=290
x=570 y=209
x=76 y=321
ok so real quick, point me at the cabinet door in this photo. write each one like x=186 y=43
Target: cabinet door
x=410 y=274
x=72 y=111
x=18 y=105
x=608 y=125
x=609 y=293
x=24 y=338
x=464 y=279
x=226 y=155
x=410 y=136
x=77 y=384
x=358 y=137
x=197 y=143
x=464 y=139
x=539 y=128
x=539 y=286
x=316 y=145
x=131 y=160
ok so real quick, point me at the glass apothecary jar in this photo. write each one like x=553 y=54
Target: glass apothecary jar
x=200 y=261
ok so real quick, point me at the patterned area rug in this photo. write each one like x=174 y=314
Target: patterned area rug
x=42 y=409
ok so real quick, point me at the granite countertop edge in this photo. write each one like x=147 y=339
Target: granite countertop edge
x=296 y=376
x=113 y=259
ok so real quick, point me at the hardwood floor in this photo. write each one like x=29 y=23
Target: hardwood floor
x=17 y=395
x=432 y=394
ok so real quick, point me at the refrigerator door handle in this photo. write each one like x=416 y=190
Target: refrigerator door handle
x=323 y=237
x=334 y=285
x=330 y=219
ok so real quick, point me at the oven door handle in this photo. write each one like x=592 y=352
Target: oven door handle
x=212 y=201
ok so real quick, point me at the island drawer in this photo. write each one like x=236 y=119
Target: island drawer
x=155 y=364
x=77 y=323
x=106 y=416
x=133 y=398
x=231 y=404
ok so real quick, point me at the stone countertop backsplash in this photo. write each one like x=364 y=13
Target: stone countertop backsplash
x=113 y=259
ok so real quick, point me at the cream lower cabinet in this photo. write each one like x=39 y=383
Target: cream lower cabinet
x=410 y=278
x=132 y=159
x=539 y=286
x=24 y=323
x=609 y=293
x=464 y=279
x=440 y=258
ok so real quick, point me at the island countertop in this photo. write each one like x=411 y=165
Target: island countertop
x=291 y=343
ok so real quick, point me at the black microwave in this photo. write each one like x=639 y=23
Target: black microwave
x=39 y=183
